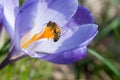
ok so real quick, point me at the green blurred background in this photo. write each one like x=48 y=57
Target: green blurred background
x=101 y=63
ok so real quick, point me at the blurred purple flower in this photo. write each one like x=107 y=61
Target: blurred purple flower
x=23 y=26
x=1 y=15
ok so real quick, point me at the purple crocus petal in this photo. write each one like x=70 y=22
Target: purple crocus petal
x=10 y=12
x=1 y=16
x=35 y=13
x=66 y=57
x=81 y=17
x=80 y=36
x=1 y=12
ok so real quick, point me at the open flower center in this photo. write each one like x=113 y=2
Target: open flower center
x=51 y=30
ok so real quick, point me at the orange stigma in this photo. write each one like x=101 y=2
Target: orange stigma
x=47 y=33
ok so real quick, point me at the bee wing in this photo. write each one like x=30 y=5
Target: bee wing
x=63 y=30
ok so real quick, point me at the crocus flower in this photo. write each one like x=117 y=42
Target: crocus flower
x=32 y=34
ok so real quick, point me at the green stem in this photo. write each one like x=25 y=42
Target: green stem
x=105 y=61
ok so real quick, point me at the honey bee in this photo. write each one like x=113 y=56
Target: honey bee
x=55 y=30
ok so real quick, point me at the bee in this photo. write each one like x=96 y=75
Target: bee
x=55 y=30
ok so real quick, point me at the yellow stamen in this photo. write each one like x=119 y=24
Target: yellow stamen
x=46 y=34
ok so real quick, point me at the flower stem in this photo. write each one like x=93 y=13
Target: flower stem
x=5 y=62
x=9 y=60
